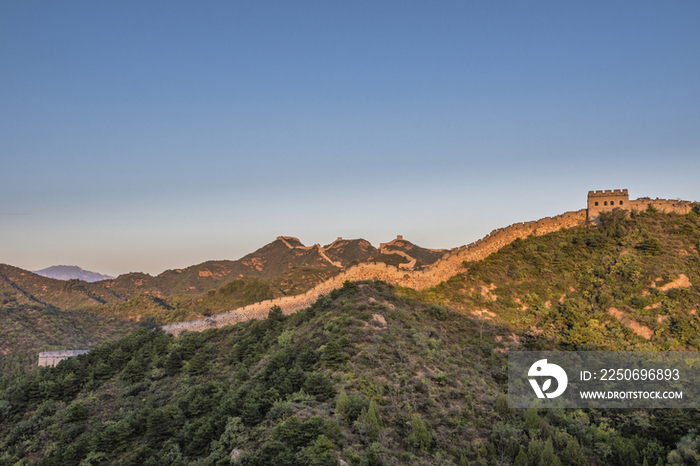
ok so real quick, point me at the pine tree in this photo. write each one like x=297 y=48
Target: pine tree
x=372 y=457
x=368 y=423
x=332 y=356
x=342 y=404
x=373 y=411
x=419 y=437
x=548 y=458
x=502 y=407
x=532 y=420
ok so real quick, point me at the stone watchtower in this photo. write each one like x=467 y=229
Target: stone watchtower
x=605 y=201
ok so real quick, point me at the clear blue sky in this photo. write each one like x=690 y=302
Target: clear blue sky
x=144 y=136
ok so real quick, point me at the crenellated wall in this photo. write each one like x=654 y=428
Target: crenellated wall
x=606 y=201
x=664 y=205
x=448 y=266
x=321 y=251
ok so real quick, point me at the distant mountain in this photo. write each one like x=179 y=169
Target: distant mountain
x=69 y=272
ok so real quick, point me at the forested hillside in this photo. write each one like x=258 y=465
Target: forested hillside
x=363 y=376
x=631 y=283
x=26 y=330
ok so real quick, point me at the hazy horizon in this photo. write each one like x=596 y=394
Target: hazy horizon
x=146 y=137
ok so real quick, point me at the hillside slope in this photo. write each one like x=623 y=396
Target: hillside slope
x=633 y=282
x=283 y=267
x=286 y=264
x=27 y=330
x=363 y=375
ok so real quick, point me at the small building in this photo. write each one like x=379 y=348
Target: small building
x=605 y=201
x=51 y=358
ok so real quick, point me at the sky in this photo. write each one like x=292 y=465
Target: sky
x=146 y=136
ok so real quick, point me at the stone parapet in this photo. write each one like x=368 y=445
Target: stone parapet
x=608 y=200
x=663 y=205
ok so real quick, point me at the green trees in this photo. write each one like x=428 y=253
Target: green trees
x=162 y=423
x=319 y=453
x=319 y=385
x=269 y=400
x=342 y=404
x=420 y=437
x=650 y=247
x=135 y=369
x=350 y=407
x=332 y=355
x=369 y=423
x=76 y=412
x=687 y=451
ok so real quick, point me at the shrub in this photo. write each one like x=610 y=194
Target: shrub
x=420 y=437
x=319 y=385
x=437 y=312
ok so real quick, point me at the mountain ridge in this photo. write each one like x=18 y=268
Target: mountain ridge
x=285 y=266
x=446 y=267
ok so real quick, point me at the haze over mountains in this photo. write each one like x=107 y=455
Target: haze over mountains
x=70 y=272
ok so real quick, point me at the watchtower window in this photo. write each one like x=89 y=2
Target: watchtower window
x=596 y=202
x=620 y=202
x=605 y=203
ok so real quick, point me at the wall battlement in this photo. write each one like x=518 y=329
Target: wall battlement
x=608 y=192
x=449 y=265
x=606 y=201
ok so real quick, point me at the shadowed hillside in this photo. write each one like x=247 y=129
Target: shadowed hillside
x=363 y=375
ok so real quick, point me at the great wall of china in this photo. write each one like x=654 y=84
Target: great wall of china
x=449 y=265
x=446 y=267
x=321 y=250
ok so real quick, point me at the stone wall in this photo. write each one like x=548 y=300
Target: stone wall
x=448 y=266
x=321 y=251
x=51 y=358
x=664 y=205
x=605 y=201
